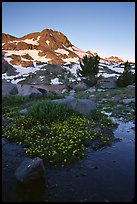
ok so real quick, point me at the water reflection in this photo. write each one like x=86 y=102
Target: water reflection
x=32 y=192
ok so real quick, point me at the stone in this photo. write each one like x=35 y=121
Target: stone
x=131 y=86
x=14 y=91
x=28 y=90
x=80 y=86
x=23 y=111
x=128 y=100
x=91 y=89
x=30 y=170
x=84 y=106
x=7 y=88
x=108 y=82
x=113 y=120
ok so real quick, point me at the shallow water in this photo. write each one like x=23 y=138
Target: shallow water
x=102 y=176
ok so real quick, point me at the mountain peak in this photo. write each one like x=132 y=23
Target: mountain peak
x=114 y=59
x=49 y=46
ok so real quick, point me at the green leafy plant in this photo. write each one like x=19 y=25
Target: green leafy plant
x=50 y=111
x=14 y=100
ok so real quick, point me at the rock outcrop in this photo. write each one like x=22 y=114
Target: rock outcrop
x=128 y=100
x=108 y=83
x=28 y=90
x=45 y=46
x=84 y=106
x=30 y=170
x=8 y=88
x=7 y=68
x=114 y=59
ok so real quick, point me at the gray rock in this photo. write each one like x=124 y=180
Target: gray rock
x=23 y=111
x=30 y=170
x=131 y=86
x=14 y=91
x=72 y=93
x=28 y=90
x=84 y=106
x=113 y=120
x=8 y=88
x=128 y=100
x=91 y=89
x=80 y=86
x=100 y=90
x=108 y=82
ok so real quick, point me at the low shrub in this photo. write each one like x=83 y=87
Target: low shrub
x=50 y=111
x=12 y=100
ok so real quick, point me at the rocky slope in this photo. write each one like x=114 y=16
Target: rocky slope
x=48 y=46
x=48 y=57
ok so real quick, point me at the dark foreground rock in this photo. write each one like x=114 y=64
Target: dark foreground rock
x=30 y=170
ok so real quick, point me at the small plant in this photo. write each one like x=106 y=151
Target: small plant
x=14 y=100
x=97 y=116
x=50 y=111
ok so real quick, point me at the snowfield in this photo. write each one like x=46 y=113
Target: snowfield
x=23 y=72
x=55 y=81
x=32 y=53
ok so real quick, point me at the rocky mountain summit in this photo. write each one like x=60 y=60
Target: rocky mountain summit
x=48 y=46
x=114 y=59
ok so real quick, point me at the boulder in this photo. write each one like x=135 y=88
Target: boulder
x=107 y=83
x=23 y=111
x=91 y=90
x=84 y=106
x=28 y=90
x=14 y=91
x=8 y=88
x=30 y=170
x=128 y=100
x=80 y=86
x=131 y=86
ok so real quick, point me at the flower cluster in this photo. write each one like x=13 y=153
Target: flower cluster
x=57 y=141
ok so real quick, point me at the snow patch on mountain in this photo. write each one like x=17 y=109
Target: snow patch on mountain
x=31 y=41
x=22 y=72
x=62 y=51
x=73 y=59
x=105 y=75
x=32 y=53
x=117 y=69
x=47 y=41
x=77 y=51
x=55 y=81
